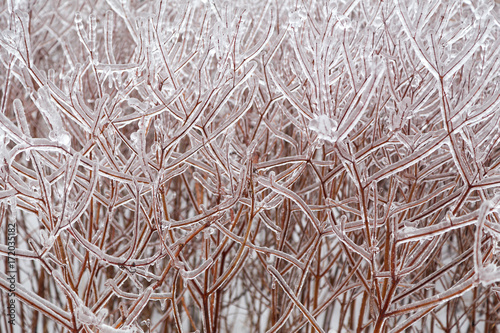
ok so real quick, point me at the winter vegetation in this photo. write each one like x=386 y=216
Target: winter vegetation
x=250 y=166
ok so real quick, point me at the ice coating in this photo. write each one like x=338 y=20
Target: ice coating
x=269 y=166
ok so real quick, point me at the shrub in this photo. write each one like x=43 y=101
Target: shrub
x=278 y=165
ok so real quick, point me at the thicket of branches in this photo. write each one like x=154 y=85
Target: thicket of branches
x=276 y=166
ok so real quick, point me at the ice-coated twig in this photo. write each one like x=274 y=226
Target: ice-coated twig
x=294 y=298
x=192 y=274
x=37 y=302
x=332 y=160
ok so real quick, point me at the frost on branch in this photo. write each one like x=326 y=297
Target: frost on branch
x=296 y=166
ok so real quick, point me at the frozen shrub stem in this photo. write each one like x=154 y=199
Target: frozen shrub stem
x=258 y=165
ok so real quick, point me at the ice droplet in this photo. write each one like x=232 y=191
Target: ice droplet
x=134 y=137
x=163 y=304
x=53 y=136
x=64 y=139
x=78 y=18
x=61 y=137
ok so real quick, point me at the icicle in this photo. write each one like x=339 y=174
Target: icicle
x=45 y=104
x=81 y=30
x=163 y=305
x=93 y=35
x=21 y=117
